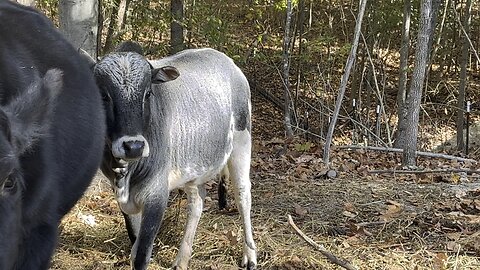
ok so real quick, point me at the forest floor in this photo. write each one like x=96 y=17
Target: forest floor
x=373 y=221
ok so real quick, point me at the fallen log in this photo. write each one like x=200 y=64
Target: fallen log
x=398 y=150
x=394 y=171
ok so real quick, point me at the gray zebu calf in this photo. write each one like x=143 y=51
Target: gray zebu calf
x=174 y=123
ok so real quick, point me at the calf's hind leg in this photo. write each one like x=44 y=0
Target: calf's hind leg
x=222 y=188
x=239 y=167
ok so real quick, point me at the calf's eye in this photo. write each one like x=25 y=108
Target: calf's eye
x=148 y=94
x=9 y=184
x=105 y=97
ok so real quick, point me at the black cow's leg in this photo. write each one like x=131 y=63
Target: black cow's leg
x=132 y=223
x=152 y=215
x=38 y=247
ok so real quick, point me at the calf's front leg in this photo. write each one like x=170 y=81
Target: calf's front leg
x=151 y=219
x=133 y=223
x=195 y=197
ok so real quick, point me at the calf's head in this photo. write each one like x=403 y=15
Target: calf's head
x=125 y=80
x=23 y=121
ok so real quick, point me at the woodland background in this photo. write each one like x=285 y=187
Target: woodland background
x=368 y=206
x=308 y=57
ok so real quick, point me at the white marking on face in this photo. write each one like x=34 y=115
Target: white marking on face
x=118 y=150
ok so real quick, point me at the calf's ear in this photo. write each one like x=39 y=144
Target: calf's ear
x=30 y=113
x=164 y=74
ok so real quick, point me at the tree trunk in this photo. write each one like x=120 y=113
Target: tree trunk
x=190 y=13
x=414 y=95
x=121 y=14
x=343 y=83
x=111 y=27
x=79 y=23
x=435 y=7
x=286 y=67
x=176 y=27
x=30 y=3
x=300 y=21
x=403 y=76
x=463 y=77
x=439 y=36
x=100 y=28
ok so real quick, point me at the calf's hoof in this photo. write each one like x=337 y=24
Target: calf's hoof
x=249 y=260
x=179 y=266
x=250 y=265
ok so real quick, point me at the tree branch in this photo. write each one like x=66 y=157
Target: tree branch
x=397 y=150
x=393 y=171
x=331 y=257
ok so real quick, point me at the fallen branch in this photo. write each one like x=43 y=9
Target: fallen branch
x=270 y=97
x=393 y=171
x=331 y=257
x=398 y=150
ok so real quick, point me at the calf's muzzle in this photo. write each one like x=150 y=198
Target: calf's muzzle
x=130 y=147
x=133 y=149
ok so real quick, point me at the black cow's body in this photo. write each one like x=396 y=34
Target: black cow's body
x=52 y=129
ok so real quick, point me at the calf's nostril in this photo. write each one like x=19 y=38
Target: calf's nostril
x=133 y=149
x=133 y=145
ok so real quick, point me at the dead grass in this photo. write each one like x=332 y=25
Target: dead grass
x=374 y=222
x=415 y=238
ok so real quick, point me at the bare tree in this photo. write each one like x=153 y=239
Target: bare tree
x=286 y=68
x=176 y=26
x=79 y=23
x=30 y=3
x=403 y=76
x=110 y=36
x=439 y=35
x=418 y=78
x=463 y=77
x=343 y=83
x=121 y=14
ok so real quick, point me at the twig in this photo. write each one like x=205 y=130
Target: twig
x=321 y=248
x=373 y=223
x=393 y=171
x=380 y=98
x=397 y=150
x=466 y=34
x=270 y=97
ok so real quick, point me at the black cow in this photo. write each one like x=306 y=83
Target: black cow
x=52 y=133
x=174 y=123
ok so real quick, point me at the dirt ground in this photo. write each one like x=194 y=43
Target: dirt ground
x=373 y=221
